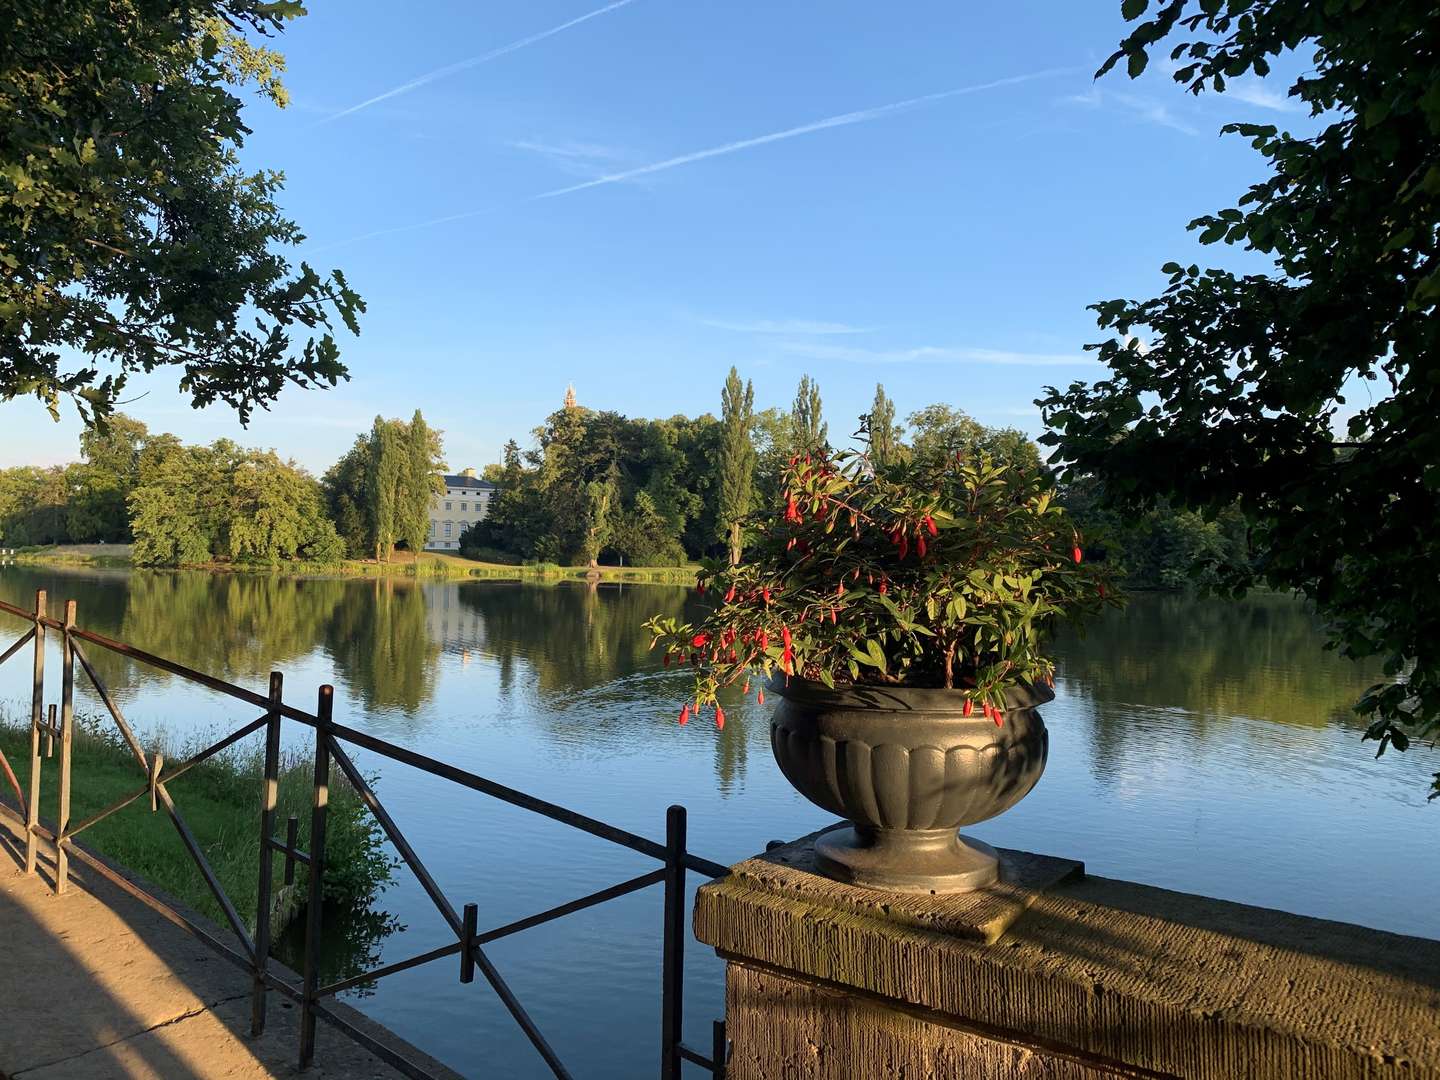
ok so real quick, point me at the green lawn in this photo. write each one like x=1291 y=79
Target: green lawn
x=220 y=801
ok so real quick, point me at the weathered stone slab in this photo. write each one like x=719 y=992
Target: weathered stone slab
x=1100 y=975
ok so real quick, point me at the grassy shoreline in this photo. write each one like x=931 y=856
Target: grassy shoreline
x=220 y=800
x=433 y=566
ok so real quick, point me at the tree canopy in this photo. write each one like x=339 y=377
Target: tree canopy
x=1306 y=395
x=129 y=232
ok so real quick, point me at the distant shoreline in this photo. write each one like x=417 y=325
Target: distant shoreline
x=430 y=566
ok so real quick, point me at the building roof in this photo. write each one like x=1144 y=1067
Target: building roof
x=466 y=482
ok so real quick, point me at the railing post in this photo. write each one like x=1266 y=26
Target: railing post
x=269 y=798
x=719 y=1049
x=37 y=717
x=292 y=841
x=67 y=738
x=316 y=896
x=672 y=972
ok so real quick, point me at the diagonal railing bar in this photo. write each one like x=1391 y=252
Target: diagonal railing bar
x=13 y=649
x=654 y=877
x=14 y=780
x=499 y=791
x=232 y=916
x=101 y=815
x=389 y=969
x=115 y=714
x=171 y=776
x=412 y=860
x=512 y=1003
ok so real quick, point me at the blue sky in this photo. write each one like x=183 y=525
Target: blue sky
x=924 y=194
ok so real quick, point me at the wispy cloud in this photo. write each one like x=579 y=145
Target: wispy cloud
x=933 y=354
x=786 y=326
x=1254 y=92
x=1147 y=109
x=476 y=61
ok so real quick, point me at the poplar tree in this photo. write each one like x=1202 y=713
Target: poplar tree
x=421 y=482
x=385 y=476
x=736 y=462
x=809 y=431
x=884 y=432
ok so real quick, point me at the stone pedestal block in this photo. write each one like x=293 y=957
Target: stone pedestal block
x=1055 y=974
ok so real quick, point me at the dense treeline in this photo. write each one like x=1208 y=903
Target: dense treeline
x=593 y=486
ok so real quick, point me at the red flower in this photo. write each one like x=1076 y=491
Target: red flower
x=747 y=687
x=719 y=718
x=685 y=715
x=884 y=586
x=1075 y=553
x=699 y=640
x=930 y=524
x=969 y=706
x=840 y=589
x=760 y=697
x=920 y=546
x=730 y=596
x=667 y=659
x=785 y=637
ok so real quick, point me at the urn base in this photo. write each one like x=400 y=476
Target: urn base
x=907 y=860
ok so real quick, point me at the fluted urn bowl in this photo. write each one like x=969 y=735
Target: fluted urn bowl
x=908 y=769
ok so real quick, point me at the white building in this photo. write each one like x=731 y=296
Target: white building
x=466 y=500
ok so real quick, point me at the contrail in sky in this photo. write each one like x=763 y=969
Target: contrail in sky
x=843 y=120
x=476 y=61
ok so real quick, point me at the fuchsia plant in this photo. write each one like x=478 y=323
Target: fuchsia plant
x=920 y=573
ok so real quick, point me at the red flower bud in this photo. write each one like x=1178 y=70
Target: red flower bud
x=699 y=640
x=1075 y=553
x=884 y=586
x=719 y=718
x=930 y=524
x=667 y=660
x=730 y=596
x=840 y=589
x=685 y=715
x=969 y=707
x=760 y=697
x=785 y=637
x=832 y=616
x=765 y=593
x=904 y=547
x=920 y=546
x=747 y=687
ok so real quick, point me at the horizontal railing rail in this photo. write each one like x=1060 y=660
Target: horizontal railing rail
x=252 y=952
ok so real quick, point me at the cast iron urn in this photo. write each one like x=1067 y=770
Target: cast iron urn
x=908 y=769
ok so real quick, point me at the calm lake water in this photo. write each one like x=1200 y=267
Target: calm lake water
x=1196 y=745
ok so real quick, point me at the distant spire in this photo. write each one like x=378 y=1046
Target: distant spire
x=570 y=402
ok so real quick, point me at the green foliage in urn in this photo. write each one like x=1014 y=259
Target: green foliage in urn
x=921 y=573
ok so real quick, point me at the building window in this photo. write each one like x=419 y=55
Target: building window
x=447 y=506
x=463 y=508
x=447 y=528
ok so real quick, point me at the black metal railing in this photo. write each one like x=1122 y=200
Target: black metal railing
x=252 y=953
